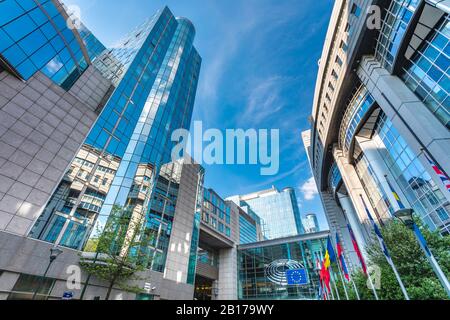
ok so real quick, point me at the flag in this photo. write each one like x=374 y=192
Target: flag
x=321 y=296
x=395 y=194
x=356 y=247
x=330 y=256
x=325 y=276
x=297 y=277
x=380 y=238
x=444 y=178
x=340 y=253
x=318 y=264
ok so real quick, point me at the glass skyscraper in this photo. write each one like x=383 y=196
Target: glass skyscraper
x=155 y=70
x=278 y=211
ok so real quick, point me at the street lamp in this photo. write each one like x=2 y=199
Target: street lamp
x=54 y=253
x=406 y=217
x=216 y=292
x=215 y=289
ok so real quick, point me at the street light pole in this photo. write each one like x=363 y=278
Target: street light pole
x=406 y=217
x=54 y=253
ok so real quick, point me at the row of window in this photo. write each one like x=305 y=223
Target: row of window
x=343 y=46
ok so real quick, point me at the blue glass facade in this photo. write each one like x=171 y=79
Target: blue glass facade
x=357 y=109
x=34 y=36
x=247 y=231
x=420 y=190
x=193 y=251
x=262 y=270
x=93 y=46
x=335 y=177
x=117 y=170
x=398 y=16
x=279 y=211
x=428 y=71
x=216 y=212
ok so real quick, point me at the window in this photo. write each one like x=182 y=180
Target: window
x=330 y=86
x=355 y=10
x=339 y=61
x=343 y=46
x=26 y=285
x=347 y=27
x=334 y=74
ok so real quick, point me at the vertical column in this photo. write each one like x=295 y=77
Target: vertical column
x=227 y=283
x=370 y=150
x=354 y=189
x=180 y=240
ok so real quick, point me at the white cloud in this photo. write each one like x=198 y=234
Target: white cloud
x=309 y=189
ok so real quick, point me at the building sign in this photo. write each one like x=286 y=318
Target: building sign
x=286 y=272
x=67 y=296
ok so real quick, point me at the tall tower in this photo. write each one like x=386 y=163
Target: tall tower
x=155 y=70
x=278 y=211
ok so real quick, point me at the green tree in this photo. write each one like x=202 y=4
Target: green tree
x=117 y=251
x=415 y=271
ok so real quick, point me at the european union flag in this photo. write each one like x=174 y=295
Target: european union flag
x=297 y=277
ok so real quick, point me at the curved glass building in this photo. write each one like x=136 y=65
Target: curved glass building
x=156 y=69
x=381 y=115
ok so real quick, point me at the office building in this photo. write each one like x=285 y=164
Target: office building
x=217 y=249
x=310 y=223
x=381 y=115
x=250 y=226
x=85 y=133
x=278 y=211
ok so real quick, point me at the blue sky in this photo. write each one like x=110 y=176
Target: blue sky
x=259 y=71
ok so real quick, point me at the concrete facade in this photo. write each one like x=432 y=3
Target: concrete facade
x=41 y=129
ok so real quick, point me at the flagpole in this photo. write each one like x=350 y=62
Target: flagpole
x=343 y=283
x=355 y=288
x=385 y=250
x=333 y=279
x=340 y=254
x=372 y=286
x=331 y=289
x=406 y=216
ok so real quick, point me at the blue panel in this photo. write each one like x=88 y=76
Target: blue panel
x=297 y=277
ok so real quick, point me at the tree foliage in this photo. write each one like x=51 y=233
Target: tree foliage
x=117 y=251
x=415 y=271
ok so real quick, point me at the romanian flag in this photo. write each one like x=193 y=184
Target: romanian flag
x=340 y=253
